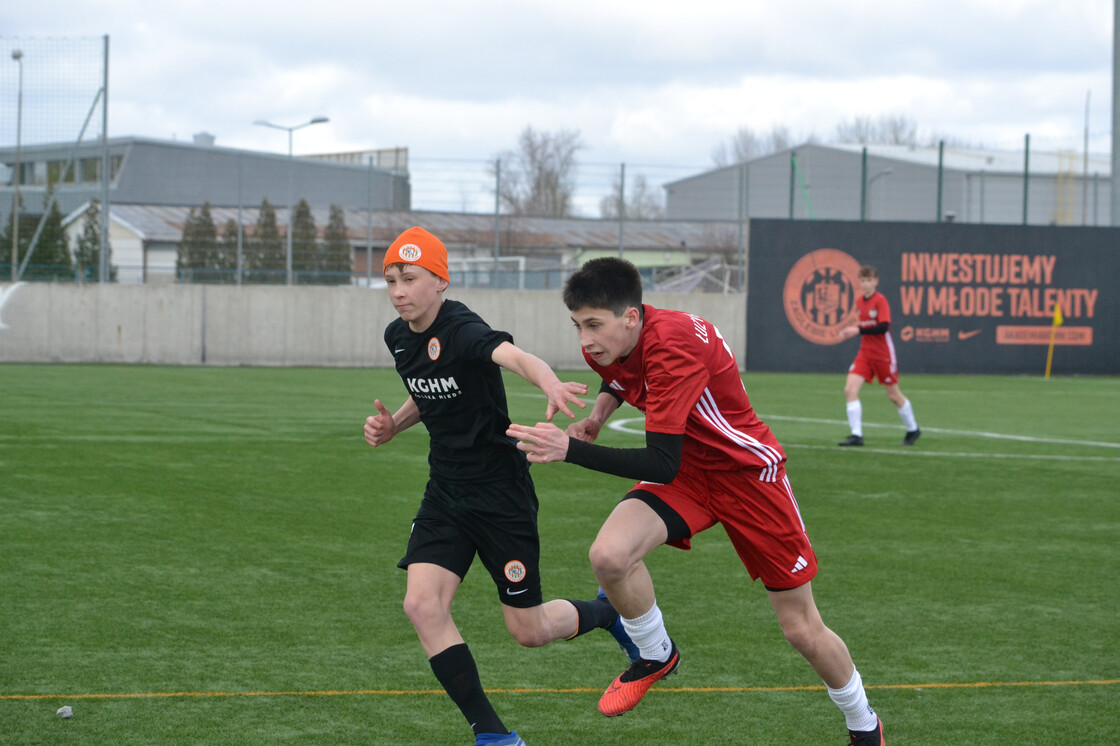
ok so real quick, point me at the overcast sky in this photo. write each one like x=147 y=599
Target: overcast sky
x=644 y=82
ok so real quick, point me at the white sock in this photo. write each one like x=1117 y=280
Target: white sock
x=648 y=633
x=855 y=417
x=852 y=701
x=906 y=413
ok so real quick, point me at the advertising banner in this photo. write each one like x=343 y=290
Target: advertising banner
x=963 y=298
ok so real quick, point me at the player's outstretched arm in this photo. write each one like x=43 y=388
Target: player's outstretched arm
x=536 y=371
x=542 y=443
x=658 y=462
x=381 y=427
x=588 y=428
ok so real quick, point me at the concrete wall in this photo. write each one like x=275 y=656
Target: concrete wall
x=277 y=326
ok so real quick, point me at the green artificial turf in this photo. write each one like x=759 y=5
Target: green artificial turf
x=208 y=556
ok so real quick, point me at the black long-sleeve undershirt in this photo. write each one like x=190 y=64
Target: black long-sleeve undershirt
x=880 y=328
x=658 y=462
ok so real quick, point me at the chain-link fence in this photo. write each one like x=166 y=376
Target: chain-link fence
x=57 y=91
x=197 y=212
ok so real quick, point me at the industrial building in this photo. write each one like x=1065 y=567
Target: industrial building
x=815 y=181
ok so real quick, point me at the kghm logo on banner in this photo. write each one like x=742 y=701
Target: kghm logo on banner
x=820 y=295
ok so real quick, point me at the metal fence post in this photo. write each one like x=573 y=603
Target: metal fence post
x=621 y=208
x=497 y=209
x=792 y=180
x=863 y=185
x=940 y=176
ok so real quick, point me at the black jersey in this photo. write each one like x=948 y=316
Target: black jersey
x=459 y=391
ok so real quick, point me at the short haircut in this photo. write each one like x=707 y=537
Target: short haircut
x=868 y=271
x=607 y=282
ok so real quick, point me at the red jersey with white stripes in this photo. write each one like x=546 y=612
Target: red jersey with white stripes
x=873 y=311
x=684 y=377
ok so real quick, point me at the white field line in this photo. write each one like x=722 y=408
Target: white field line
x=634 y=426
x=626 y=426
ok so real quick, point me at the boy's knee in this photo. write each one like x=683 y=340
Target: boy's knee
x=421 y=609
x=607 y=561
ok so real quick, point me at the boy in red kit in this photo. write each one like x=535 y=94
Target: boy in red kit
x=876 y=359
x=707 y=459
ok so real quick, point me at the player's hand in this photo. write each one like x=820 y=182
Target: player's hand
x=380 y=428
x=848 y=332
x=562 y=394
x=542 y=443
x=586 y=430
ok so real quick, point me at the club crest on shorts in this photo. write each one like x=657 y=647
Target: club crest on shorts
x=515 y=571
x=433 y=348
x=410 y=252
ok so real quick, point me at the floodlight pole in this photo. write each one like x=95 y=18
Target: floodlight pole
x=17 y=55
x=290 y=130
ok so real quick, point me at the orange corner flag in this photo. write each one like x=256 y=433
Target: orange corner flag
x=1058 y=315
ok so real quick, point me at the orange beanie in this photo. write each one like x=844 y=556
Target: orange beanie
x=418 y=246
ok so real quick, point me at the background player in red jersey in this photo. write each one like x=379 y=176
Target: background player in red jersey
x=479 y=499
x=707 y=459
x=876 y=359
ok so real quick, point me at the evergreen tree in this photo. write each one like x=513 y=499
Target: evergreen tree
x=264 y=255
x=304 y=244
x=27 y=226
x=87 y=255
x=52 y=251
x=198 y=248
x=227 y=251
x=50 y=257
x=337 y=255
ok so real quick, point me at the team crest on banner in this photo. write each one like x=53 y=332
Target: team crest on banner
x=820 y=295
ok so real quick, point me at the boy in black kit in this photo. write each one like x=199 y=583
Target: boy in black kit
x=479 y=498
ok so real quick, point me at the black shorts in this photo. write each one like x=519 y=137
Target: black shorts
x=496 y=520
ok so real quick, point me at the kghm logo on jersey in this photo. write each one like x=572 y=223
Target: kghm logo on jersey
x=410 y=252
x=515 y=571
x=820 y=295
x=433 y=348
x=446 y=388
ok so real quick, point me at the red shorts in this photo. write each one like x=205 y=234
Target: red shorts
x=867 y=369
x=761 y=519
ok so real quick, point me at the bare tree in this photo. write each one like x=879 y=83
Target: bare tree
x=642 y=202
x=889 y=129
x=538 y=179
x=746 y=145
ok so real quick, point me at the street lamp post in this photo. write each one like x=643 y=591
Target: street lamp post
x=290 y=130
x=17 y=55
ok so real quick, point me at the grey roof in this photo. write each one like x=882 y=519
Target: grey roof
x=970 y=160
x=463 y=230
x=992 y=161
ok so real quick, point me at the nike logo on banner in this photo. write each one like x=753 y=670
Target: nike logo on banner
x=968 y=335
x=511 y=592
